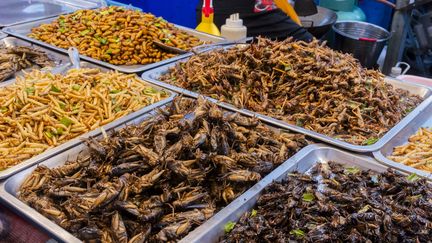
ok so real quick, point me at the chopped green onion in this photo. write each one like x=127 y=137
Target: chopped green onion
x=48 y=134
x=229 y=226
x=253 y=213
x=351 y=170
x=408 y=110
x=298 y=233
x=3 y=109
x=61 y=21
x=413 y=177
x=115 y=91
x=76 y=87
x=117 y=109
x=55 y=89
x=30 y=90
x=59 y=131
x=62 y=105
x=150 y=90
x=84 y=32
x=370 y=141
x=308 y=197
x=66 y=121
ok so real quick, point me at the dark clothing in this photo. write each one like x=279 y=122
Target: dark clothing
x=273 y=24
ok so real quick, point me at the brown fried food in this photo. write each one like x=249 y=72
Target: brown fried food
x=158 y=180
x=42 y=110
x=306 y=84
x=116 y=35
x=14 y=59
x=337 y=204
x=416 y=152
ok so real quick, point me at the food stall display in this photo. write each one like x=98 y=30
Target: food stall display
x=216 y=142
x=158 y=179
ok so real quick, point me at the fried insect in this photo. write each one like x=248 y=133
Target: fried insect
x=334 y=203
x=116 y=35
x=16 y=58
x=306 y=84
x=125 y=187
x=417 y=152
x=42 y=110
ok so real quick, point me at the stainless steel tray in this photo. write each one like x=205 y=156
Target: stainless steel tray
x=211 y=230
x=58 y=58
x=10 y=187
x=22 y=30
x=75 y=141
x=153 y=76
x=2 y=35
x=424 y=119
x=20 y=11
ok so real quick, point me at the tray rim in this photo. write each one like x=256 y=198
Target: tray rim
x=147 y=75
x=10 y=30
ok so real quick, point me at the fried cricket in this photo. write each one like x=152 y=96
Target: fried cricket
x=158 y=180
x=334 y=203
x=306 y=84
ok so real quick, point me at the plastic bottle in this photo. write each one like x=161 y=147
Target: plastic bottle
x=233 y=29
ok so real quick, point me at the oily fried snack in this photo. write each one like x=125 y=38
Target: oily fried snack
x=337 y=204
x=306 y=84
x=14 y=59
x=417 y=152
x=42 y=110
x=116 y=35
x=158 y=180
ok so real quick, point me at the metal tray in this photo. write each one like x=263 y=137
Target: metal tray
x=75 y=141
x=153 y=76
x=22 y=30
x=10 y=187
x=20 y=11
x=401 y=138
x=59 y=59
x=211 y=230
x=2 y=35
